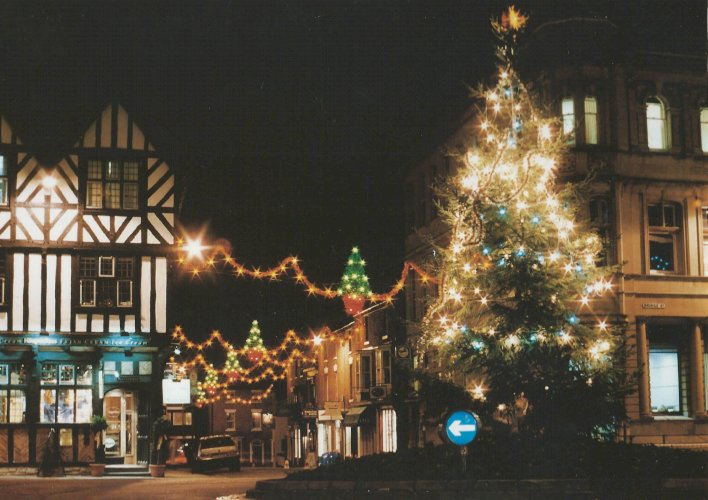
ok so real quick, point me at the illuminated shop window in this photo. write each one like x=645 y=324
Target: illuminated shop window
x=13 y=398
x=66 y=394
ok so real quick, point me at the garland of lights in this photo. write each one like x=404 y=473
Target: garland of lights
x=271 y=364
x=220 y=261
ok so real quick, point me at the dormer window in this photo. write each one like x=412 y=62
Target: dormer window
x=112 y=184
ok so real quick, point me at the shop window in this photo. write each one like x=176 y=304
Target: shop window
x=66 y=394
x=665 y=387
x=704 y=129
x=3 y=181
x=112 y=184
x=568 y=112
x=106 y=281
x=13 y=396
x=591 y=123
x=665 y=237
x=657 y=129
x=231 y=420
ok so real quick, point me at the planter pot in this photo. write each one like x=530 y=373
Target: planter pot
x=157 y=470
x=97 y=470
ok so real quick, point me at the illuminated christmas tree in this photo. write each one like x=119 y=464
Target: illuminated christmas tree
x=211 y=381
x=519 y=276
x=232 y=367
x=354 y=288
x=254 y=343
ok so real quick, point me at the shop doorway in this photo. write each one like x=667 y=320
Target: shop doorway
x=119 y=408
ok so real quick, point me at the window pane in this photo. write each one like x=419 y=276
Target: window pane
x=568 y=116
x=664 y=380
x=590 y=120
x=18 y=375
x=94 y=169
x=3 y=190
x=4 y=374
x=84 y=374
x=47 y=408
x=87 y=267
x=88 y=292
x=4 y=407
x=112 y=195
x=106 y=293
x=18 y=406
x=84 y=405
x=124 y=267
x=670 y=216
x=113 y=171
x=66 y=374
x=125 y=295
x=106 y=266
x=94 y=194
x=130 y=195
x=656 y=126
x=49 y=374
x=130 y=171
x=66 y=406
x=661 y=252
x=655 y=218
x=704 y=130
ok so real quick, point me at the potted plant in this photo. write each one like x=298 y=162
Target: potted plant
x=98 y=425
x=160 y=429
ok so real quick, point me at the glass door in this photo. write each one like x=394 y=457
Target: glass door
x=119 y=410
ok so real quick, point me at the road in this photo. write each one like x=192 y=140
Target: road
x=175 y=484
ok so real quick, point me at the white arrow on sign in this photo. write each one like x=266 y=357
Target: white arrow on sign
x=457 y=428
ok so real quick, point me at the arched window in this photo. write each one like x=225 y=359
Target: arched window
x=657 y=137
x=704 y=129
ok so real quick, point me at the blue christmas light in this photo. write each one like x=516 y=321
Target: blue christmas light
x=573 y=319
x=535 y=219
x=477 y=345
x=520 y=252
x=486 y=251
x=502 y=211
x=501 y=261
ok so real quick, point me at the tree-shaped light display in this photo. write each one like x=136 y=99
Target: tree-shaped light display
x=354 y=288
x=211 y=381
x=519 y=276
x=232 y=367
x=254 y=343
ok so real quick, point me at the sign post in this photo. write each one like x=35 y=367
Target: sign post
x=461 y=429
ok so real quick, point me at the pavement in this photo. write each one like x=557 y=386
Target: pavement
x=177 y=483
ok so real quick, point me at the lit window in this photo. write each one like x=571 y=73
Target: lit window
x=106 y=281
x=13 y=399
x=256 y=419
x=390 y=438
x=567 y=108
x=664 y=379
x=66 y=395
x=3 y=181
x=231 y=420
x=704 y=129
x=590 y=120
x=112 y=184
x=665 y=237
x=656 y=125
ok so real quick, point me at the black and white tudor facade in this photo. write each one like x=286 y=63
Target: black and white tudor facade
x=85 y=248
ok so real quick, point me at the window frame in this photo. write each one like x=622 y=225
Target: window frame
x=4 y=180
x=115 y=281
x=105 y=180
x=591 y=117
x=661 y=122
x=568 y=119
x=7 y=390
x=675 y=233
x=230 y=412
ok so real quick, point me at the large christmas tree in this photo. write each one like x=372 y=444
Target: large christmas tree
x=519 y=276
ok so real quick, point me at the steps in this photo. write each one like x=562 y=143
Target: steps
x=126 y=470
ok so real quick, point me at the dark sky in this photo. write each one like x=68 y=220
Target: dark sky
x=292 y=123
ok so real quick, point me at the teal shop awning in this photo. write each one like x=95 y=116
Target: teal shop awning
x=358 y=415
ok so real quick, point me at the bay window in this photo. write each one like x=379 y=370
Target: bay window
x=66 y=394
x=13 y=395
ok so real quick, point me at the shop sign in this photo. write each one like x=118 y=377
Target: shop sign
x=69 y=341
x=309 y=413
x=653 y=305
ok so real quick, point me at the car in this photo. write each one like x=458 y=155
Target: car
x=212 y=452
x=329 y=458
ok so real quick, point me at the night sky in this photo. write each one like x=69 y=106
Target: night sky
x=291 y=123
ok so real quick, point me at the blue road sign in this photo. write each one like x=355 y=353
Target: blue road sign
x=461 y=427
